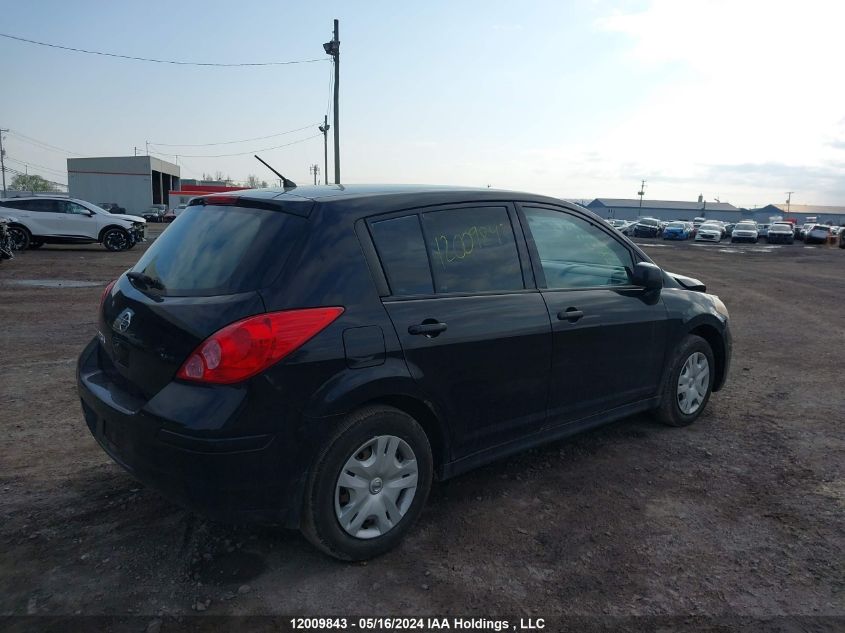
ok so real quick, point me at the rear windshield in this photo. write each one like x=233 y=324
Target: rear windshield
x=746 y=227
x=649 y=222
x=676 y=225
x=217 y=250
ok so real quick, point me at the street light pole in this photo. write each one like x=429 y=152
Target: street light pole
x=333 y=48
x=2 y=161
x=324 y=128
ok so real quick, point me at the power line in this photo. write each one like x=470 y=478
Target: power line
x=254 y=151
x=245 y=140
x=42 y=144
x=159 y=61
x=31 y=164
x=20 y=173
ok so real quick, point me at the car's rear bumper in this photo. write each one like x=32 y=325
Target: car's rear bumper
x=225 y=476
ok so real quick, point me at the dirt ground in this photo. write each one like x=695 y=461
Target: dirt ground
x=739 y=514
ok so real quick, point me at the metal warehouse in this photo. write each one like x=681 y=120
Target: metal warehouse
x=133 y=182
x=625 y=209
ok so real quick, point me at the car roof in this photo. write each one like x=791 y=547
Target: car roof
x=384 y=198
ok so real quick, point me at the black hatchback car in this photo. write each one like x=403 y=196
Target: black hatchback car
x=316 y=356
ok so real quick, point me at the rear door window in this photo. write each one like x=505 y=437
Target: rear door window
x=472 y=250
x=216 y=250
x=400 y=245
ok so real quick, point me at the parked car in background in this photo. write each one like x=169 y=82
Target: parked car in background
x=745 y=232
x=112 y=207
x=676 y=231
x=155 y=213
x=817 y=234
x=763 y=230
x=44 y=220
x=802 y=230
x=254 y=363
x=698 y=221
x=780 y=233
x=615 y=223
x=647 y=227
x=628 y=229
x=729 y=227
x=709 y=232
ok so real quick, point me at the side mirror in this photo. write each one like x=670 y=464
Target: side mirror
x=91 y=214
x=648 y=276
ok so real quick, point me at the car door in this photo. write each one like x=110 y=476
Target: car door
x=475 y=333
x=48 y=217
x=73 y=220
x=608 y=335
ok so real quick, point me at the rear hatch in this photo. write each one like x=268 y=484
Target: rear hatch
x=204 y=272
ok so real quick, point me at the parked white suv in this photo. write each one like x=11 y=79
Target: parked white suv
x=43 y=220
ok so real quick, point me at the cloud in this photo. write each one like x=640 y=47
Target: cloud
x=738 y=83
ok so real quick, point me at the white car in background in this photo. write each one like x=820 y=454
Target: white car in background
x=709 y=232
x=40 y=220
x=745 y=232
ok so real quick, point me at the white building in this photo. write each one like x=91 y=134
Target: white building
x=133 y=182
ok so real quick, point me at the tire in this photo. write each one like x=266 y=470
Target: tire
x=116 y=240
x=670 y=409
x=325 y=498
x=19 y=237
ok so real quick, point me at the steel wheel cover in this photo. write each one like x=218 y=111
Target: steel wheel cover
x=376 y=487
x=693 y=383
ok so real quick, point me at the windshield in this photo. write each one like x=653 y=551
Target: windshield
x=713 y=227
x=746 y=227
x=217 y=250
x=649 y=222
x=676 y=225
x=821 y=228
x=777 y=228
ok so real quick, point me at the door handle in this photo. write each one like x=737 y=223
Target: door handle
x=570 y=314
x=427 y=328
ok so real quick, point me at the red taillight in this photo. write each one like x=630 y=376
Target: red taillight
x=106 y=294
x=247 y=347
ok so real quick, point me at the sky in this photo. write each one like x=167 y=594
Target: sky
x=739 y=100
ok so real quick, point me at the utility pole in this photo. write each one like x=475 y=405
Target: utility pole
x=788 y=200
x=314 y=169
x=641 y=193
x=333 y=48
x=3 y=160
x=324 y=128
x=148 y=147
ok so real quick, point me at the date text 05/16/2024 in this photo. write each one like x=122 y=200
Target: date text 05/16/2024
x=417 y=624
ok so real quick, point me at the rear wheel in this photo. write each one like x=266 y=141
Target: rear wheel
x=368 y=485
x=19 y=238
x=116 y=240
x=688 y=384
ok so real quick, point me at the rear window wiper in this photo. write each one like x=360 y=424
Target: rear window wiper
x=144 y=280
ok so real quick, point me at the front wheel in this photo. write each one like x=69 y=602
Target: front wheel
x=19 y=238
x=368 y=485
x=688 y=384
x=116 y=240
